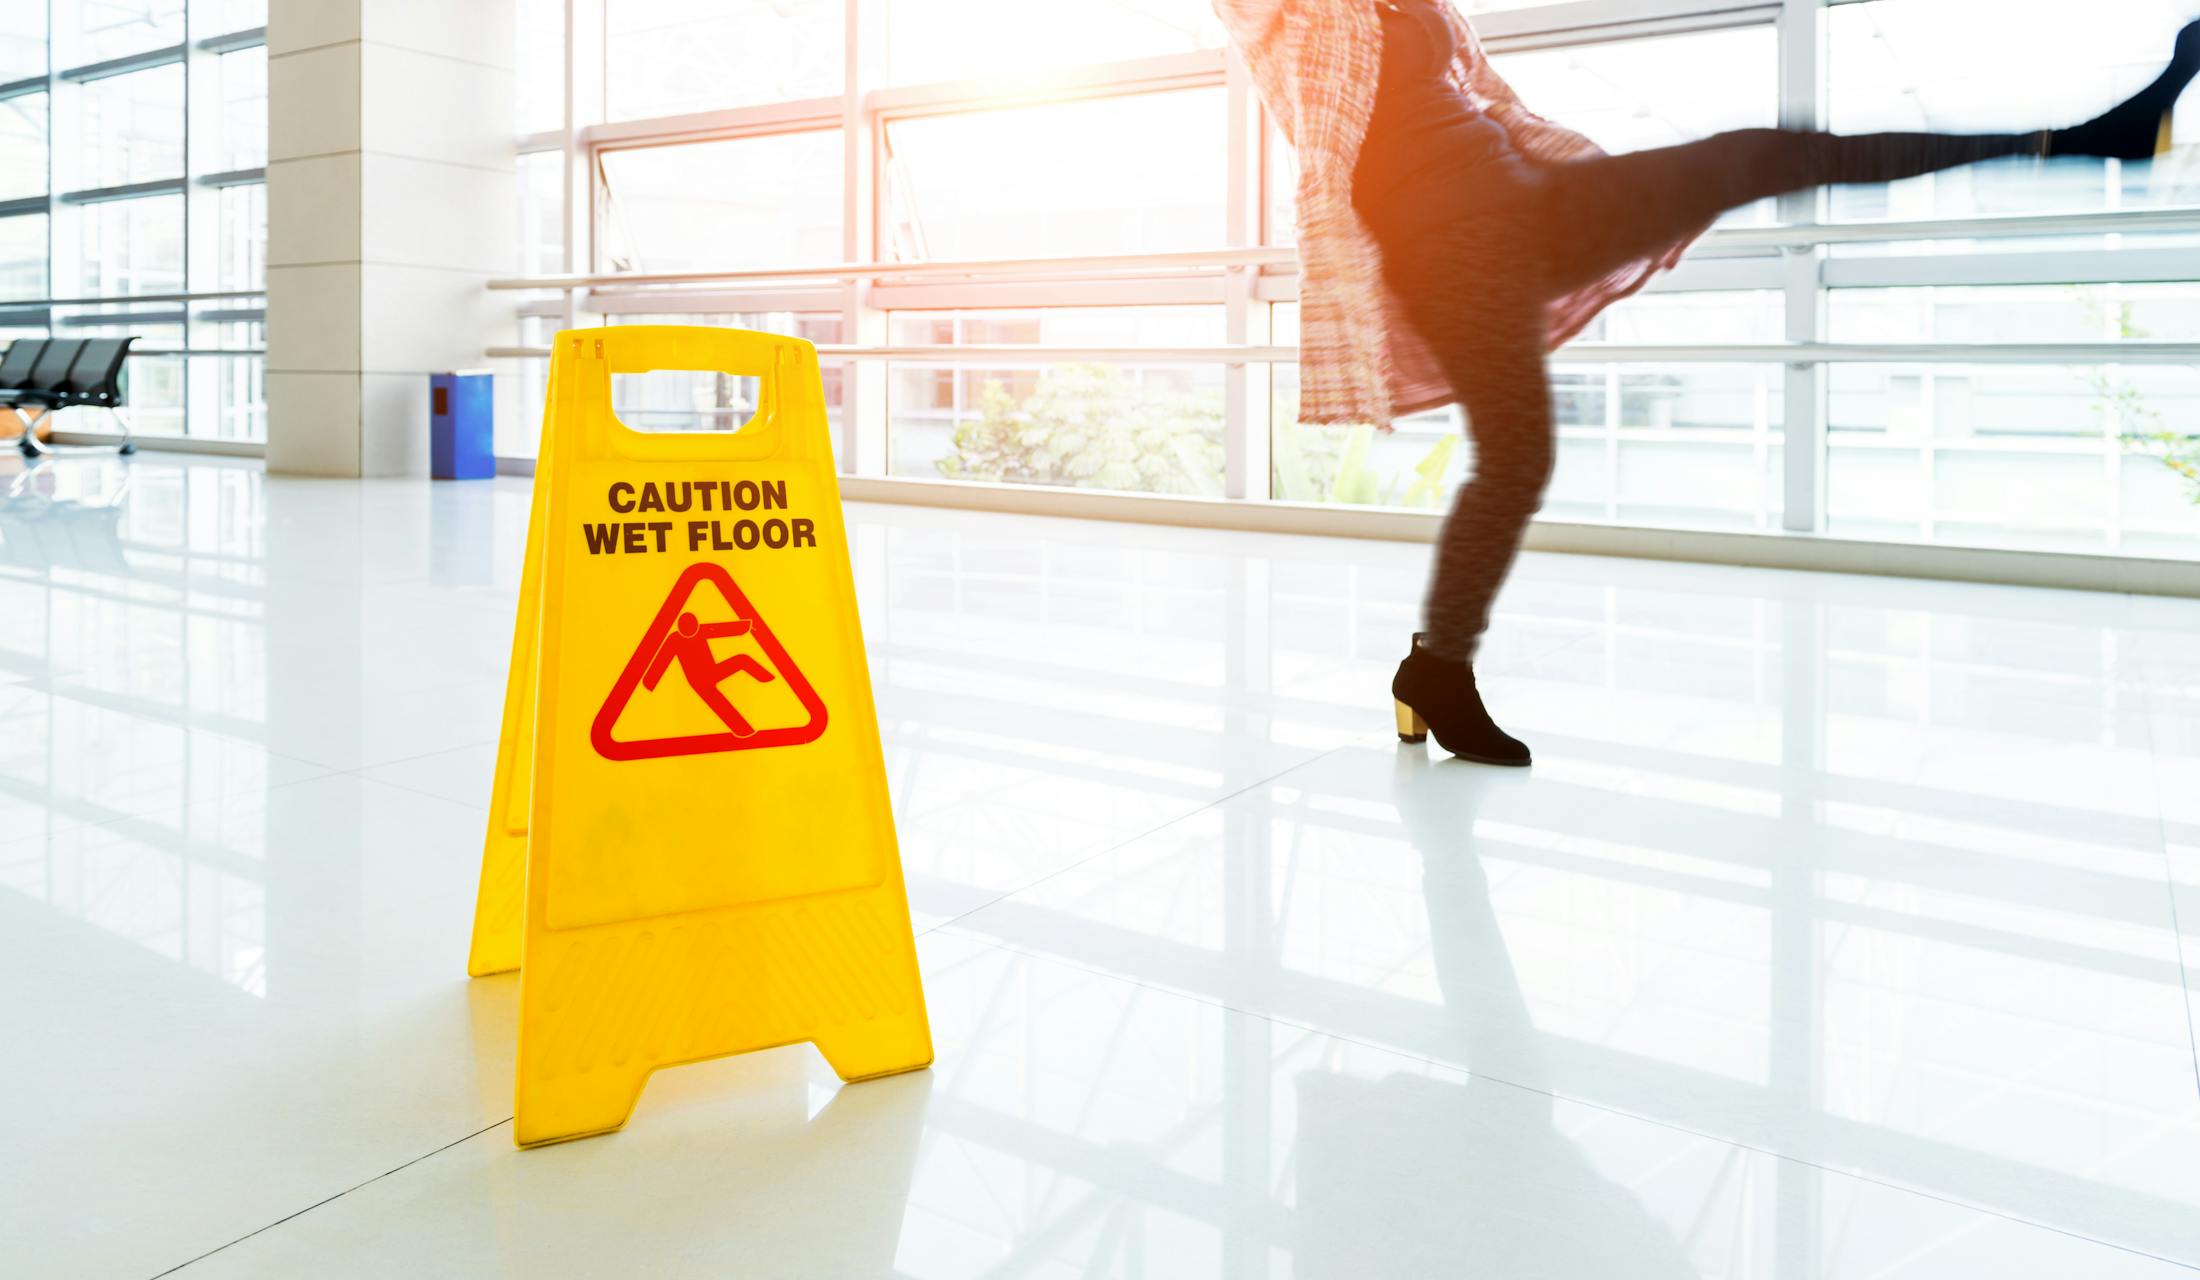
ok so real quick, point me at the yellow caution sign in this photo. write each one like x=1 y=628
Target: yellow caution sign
x=690 y=849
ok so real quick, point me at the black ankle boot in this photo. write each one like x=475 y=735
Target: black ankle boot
x=2139 y=128
x=1437 y=695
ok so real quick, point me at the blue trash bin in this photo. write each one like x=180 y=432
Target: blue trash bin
x=461 y=418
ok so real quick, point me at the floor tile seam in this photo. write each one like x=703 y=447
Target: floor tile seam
x=1129 y=840
x=468 y=805
x=1670 y=1126
x=361 y=769
x=330 y=1199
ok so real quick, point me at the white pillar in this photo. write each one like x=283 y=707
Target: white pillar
x=391 y=199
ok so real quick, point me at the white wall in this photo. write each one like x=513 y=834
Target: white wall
x=390 y=188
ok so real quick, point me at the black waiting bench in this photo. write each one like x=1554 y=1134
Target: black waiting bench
x=40 y=375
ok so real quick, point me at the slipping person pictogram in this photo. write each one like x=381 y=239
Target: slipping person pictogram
x=689 y=644
x=678 y=635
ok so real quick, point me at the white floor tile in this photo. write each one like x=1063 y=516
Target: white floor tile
x=1844 y=927
x=1081 y=1125
x=464 y=775
x=219 y=1017
x=2007 y=1030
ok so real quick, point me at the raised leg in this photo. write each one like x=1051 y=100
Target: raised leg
x=1598 y=215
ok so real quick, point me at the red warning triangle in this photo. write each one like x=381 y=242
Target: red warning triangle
x=678 y=646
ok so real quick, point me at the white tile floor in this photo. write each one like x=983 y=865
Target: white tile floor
x=1834 y=934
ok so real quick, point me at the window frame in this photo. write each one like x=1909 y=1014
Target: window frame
x=1802 y=269
x=199 y=307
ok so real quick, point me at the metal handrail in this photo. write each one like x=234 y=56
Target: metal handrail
x=1793 y=236
x=2113 y=353
x=1279 y=255
x=211 y=296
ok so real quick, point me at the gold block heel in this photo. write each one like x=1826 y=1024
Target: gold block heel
x=1411 y=727
x=2162 y=145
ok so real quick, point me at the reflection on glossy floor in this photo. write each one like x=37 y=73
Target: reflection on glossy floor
x=1834 y=934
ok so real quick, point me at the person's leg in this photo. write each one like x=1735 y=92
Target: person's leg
x=1478 y=305
x=1606 y=212
x=1472 y=289
x=1603 y=213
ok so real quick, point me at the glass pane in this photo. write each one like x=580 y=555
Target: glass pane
x=1940 y=65
x=1077 y=424
x=1666 y=318
x=242 y=250
x=1282 y=213
x=156 y=389
x=128 y=246
x=1631 y=95
x=243 y=132
x=1695 y=445
x=23 y=135
x=1624 y=95
x=538 y=81
x=541 y=212
x=662 y=57
x=106 y=29
x=240 y=397
x=969 y=39
x=133 y=129
x=1682 y=445
x=2020 y=313
x=220 y=17
x=741 y=202
x=1106 y=175
x=23 y=256
x=2003 y=242
x=2045 y=456
x=22 y=42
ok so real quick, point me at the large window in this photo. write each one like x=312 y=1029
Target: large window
x=735 y=203
x=664 y=57
x=133 y=134
x=1121 y=174
x=1093 y=423
x=1928 y=64
x=945 y=40
x=1922 y=361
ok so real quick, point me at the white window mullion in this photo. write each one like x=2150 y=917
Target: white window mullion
x=1247 y=471
x=202 y=154
x=584 y=106
x=1803 y=450
x=864 y=408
